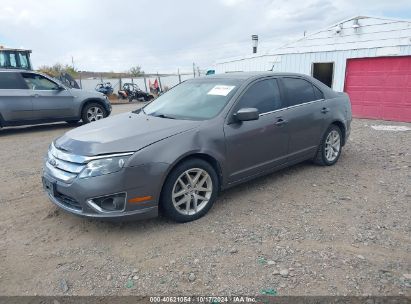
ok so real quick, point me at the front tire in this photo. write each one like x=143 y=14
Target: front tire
x=93 y=112
x=329 y=150
x=190 y=191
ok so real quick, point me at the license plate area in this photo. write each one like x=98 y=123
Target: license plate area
x=49 y=186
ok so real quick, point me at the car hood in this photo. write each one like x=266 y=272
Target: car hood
x=127 y=132
x=86 y=93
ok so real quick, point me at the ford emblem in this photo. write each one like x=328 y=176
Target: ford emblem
x=53 y=162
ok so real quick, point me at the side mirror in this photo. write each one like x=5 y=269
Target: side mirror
x=59 y=88
x=246 y=114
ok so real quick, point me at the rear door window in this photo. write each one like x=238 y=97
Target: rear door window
x=318 y=93
x=263 y=95
x=11 y=80
x=298 y=91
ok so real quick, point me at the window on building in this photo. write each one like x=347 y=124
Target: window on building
x=323 y=71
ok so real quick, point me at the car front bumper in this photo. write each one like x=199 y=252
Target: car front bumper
x=140 y=214
x=141 y=181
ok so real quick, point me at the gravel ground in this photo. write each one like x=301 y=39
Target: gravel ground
x=306 y=230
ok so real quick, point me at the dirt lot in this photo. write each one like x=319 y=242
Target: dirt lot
x=309 y=230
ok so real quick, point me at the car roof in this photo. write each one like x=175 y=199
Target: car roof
x=249 y=75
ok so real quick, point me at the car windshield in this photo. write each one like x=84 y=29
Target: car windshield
x=198 y=99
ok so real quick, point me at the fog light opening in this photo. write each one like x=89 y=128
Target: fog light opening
x=109 y=203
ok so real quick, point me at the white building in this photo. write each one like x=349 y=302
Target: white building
x=367 y=57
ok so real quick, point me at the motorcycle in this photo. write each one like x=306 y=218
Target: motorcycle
x=131 y=91
x=105 y=88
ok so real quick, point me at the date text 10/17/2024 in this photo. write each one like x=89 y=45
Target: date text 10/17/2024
x=203 y=299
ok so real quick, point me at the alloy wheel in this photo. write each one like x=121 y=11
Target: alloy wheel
x=95 y=113
x=332 y=146
x=192 y=191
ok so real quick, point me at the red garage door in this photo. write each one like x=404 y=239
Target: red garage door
x=380 y=88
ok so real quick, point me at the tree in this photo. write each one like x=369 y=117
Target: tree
x=56 y=69
x=136 y=71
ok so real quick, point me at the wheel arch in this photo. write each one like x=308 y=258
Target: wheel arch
x=200 y=155
x=342 y=127
x=91 y=100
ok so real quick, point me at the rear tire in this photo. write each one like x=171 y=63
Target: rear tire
x=330 y=148
x=190 y=191
x=93 y=112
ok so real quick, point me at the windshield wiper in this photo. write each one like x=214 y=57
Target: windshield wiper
x=139 y=111
x=164 y=116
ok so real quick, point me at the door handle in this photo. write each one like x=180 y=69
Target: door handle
x=325 y=110
x=35 y=95
x=280 y=121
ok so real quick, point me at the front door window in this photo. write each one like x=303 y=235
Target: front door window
x=39 y=82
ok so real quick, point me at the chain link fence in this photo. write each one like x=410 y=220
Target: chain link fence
x=165 y=81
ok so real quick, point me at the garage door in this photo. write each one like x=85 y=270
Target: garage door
x=380 y=88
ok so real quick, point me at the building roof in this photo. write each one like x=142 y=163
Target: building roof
x=343 y=35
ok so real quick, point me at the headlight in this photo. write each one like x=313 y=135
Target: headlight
x=103 y=166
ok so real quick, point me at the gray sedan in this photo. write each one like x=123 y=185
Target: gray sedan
x=203 y=136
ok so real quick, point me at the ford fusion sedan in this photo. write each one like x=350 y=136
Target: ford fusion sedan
x=28 y=97
x=205 y=135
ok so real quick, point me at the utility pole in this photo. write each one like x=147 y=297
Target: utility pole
x=79 y=74
x=72 y=62
x=179 y=76
x=194 y=70
x=145 y=83
x=159 y=83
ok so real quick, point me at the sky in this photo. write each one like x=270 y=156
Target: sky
x=163 y=36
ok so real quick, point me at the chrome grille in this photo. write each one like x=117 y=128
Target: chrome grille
x=64 y=166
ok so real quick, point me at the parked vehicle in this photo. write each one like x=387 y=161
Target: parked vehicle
x=11 y=58
x=204 y=135
x=28 y=97
x=106 y=88
x=131 y=91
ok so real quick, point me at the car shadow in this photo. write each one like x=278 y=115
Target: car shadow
x=8 y=131
x=161 y=222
